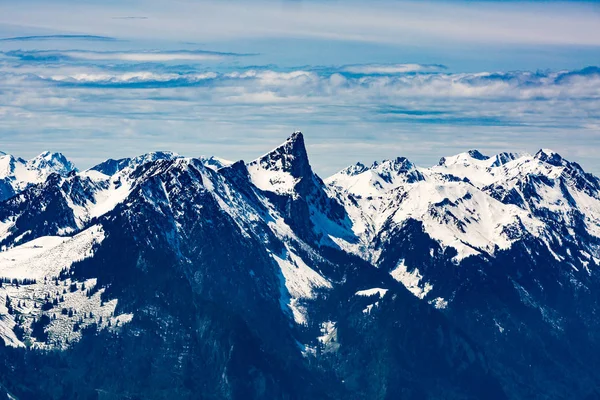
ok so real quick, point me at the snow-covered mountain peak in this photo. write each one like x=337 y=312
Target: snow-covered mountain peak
x=290 y=157
x=482 y=170
x=48 y=162
x=551 y=157
x=155 y=155
x=111 y=166
x=380 y=177
x=466 y=158
x=17 y=174
x=355 y=169
x=397 y=165
x=476 y=154
x=282 y=168
x=506 y=157
x=215 y=163
x=8 y=159
x=469 y=201
x=389 y=163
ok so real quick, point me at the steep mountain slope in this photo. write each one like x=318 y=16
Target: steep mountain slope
x=162 y=276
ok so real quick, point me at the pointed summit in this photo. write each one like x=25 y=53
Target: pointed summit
x=398 y=164
x=504 y=158
x=289 y=157
x=354 y=169
x=283 y=167
x=550 y=157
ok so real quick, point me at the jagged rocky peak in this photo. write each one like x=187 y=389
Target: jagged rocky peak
x=112 y=166
x=51 y=162
x=283 y=168
x=215 y=163
x=476 y=154
x=354 y=169
x=290 y=157
x=550 y=157
x=398 y=164
x=504 y=158
x=152 y=157
x=380 y=177
x=156 y=155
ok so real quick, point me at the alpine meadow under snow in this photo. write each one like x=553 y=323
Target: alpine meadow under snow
x=164 y=276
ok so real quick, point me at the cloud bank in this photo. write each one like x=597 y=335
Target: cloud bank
x=383 y=69
x=349 y=112
x=129 y=56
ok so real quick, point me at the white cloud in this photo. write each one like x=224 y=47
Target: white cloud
x=129 y=77
x=135 y=56
x=387 y=69
x=143 y=57
x=314 y=85
x=99 y=111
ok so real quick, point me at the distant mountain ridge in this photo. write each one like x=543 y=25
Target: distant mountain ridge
x=164 y=276
x=17 y=174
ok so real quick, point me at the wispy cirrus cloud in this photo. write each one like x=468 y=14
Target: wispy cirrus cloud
x=35 y=38
x=127 y=56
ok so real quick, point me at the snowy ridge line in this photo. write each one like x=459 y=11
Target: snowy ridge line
x=378 y=188
x=465 y=196
x=470 y=203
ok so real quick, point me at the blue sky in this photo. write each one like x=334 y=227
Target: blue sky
x=363 y=80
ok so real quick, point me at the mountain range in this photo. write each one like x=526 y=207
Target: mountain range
x=162 y=276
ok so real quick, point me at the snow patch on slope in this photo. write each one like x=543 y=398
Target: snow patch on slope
x=47 y=256
x=301 y=282
x=411 y=280
x=371 y=292
x=277 y=181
